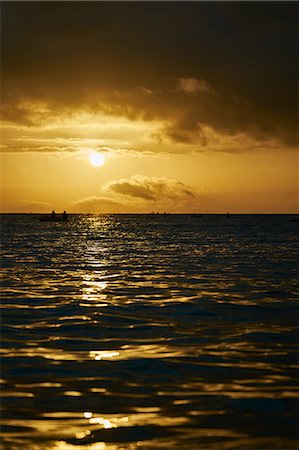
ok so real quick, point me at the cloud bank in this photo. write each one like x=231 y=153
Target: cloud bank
x=141 y=194
x=184 y=66
x=151 y=189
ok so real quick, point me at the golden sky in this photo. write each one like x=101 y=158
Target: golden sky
x=193 y=105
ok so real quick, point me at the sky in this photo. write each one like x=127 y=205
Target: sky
x=192 y=104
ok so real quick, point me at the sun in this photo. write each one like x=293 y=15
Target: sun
x=96 y=159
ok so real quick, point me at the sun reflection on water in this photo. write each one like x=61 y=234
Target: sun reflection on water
x=78 y=430
x=189 y=352
x=137 y=351
x=98 y=355
x=61 y=445
x=105 y=422
x=92 y=290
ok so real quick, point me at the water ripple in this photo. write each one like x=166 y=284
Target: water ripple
x=129 y=332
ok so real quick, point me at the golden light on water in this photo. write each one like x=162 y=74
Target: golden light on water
x=92 y=291
x=106 y=423
x=61 y=445
x=98 y=355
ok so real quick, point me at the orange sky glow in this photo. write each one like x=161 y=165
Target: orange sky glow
x=193 y=106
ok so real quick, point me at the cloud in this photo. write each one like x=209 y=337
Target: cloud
x=133 y=189
x=39 y=149
x=120 y=136
x=140 y=194
x=152 y=189
x=104 y=58
x=193 y=85
x=185 y=133
x=206 y=139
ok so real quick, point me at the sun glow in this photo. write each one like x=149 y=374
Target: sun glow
x=96 y=159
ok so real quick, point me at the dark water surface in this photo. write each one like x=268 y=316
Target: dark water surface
x=149 y=332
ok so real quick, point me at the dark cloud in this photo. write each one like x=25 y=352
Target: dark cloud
x=140 y=193
x=152 y=189
x=231 y=66
x=133 y=190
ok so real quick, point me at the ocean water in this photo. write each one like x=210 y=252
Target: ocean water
x=149 y=332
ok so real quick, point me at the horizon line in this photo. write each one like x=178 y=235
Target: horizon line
x=152 y=213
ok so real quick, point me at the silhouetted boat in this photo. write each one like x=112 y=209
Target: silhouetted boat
x=53 y=217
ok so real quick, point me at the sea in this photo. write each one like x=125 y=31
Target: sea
x=149 y=332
